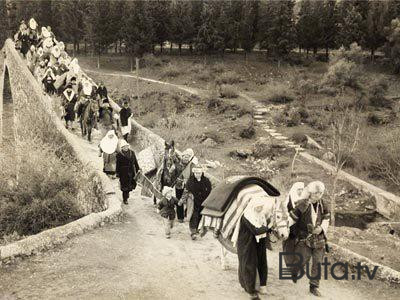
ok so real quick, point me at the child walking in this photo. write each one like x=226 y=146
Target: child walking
x=167 y=209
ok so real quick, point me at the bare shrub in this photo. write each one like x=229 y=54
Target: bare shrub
x=218 y=68
x=278 y=93
x=228 y=91
x=385 y=162
x=172 y=71
x=228 y=77
x=150 y=60
x=377 y=93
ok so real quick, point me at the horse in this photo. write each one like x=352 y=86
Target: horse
x=225 y=206
x=89 y=118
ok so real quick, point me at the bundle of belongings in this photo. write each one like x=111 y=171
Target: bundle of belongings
x=226 y=204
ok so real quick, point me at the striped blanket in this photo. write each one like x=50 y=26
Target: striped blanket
x=228 y=225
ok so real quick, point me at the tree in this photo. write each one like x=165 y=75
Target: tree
x=209 y=38
x=329 y=23
x=277 y=27
x=70 y=15
x=349 y=24
x=137 y=31
x=345 y=132
x=159 y=13
x=3 y=23
x=308 y=26
x=375 y=22
x=119 y=9
x=249 y=25
x=182 y=26
x=99 y=25
x=392 y=46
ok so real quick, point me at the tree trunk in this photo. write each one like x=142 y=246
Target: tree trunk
x=131 y=62
x=180 y=48
x=372 y=54
x=85 y=48
x=116 y=47
x=191 y=48
x=315 y=50
x=170 y=49
x=308 y=50
x=327 y=53
x=98 y=59
x=161 y=47
x=137 y=78
x=120 y=46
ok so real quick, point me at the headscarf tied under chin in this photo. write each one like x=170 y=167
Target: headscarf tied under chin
x=254 y=215
x=293 y=196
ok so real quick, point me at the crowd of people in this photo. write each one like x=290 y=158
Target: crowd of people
x=180 y=178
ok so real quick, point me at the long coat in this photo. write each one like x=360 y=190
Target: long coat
x=126 y=169
x=252 y=256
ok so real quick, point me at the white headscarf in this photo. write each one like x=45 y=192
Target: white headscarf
x=251 y=213
x=293 y=196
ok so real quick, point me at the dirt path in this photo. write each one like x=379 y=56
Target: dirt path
x=133 y=260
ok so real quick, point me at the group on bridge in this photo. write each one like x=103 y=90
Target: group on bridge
x=242 y=212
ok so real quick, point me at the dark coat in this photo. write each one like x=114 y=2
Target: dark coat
x=252 y=255
x=124 y=114
x=199 y=189
x=102 y=92
x=167 y=208
x=127 y=167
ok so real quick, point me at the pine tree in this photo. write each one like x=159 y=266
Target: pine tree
x=277 y=33
x=209 y=38
x=182 y=26
x=159 y=13
x=99 y=26
x=329 y=23
x=375 y=22
x=349 y=25
x=249 y=25
x=138 y=31
x=3 y=23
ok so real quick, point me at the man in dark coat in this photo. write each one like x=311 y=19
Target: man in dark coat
x=124 y=115
x=126 y=169
x=312 y=217
x=102 y=91
x=197 y=190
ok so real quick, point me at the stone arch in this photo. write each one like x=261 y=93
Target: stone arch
x=7 y=115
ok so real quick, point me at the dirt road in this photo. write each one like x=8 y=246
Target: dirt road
x=132 y=259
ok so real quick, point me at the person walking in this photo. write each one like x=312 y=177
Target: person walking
x=252 y=248
x=312 y=217
x=166 y=207
x=125 y=114
x=108 y=147
x=196 y=191
x=126 y=169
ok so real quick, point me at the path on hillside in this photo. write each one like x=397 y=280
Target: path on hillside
x=132 y=259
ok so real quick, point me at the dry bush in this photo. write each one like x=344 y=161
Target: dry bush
x=228 y=91
x=228 y=77
x=343 y=73
x=381 y=118
x=150 y=60
x=172 y=71
x=218 y=68
x=377 y=92
x=306 y=86
x=41 y=192
x=278 y=93
x=384 y=159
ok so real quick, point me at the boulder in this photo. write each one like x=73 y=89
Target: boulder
x=209 y=142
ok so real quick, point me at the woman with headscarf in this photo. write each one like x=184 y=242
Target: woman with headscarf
x=69 y=106
x=292 y=198
x=127 y=167
x=251 y=247
x=312 y=217
x=108 y=147
x=184 y=169
x=197 y=189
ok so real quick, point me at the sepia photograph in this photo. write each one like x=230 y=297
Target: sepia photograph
x=199 y=149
